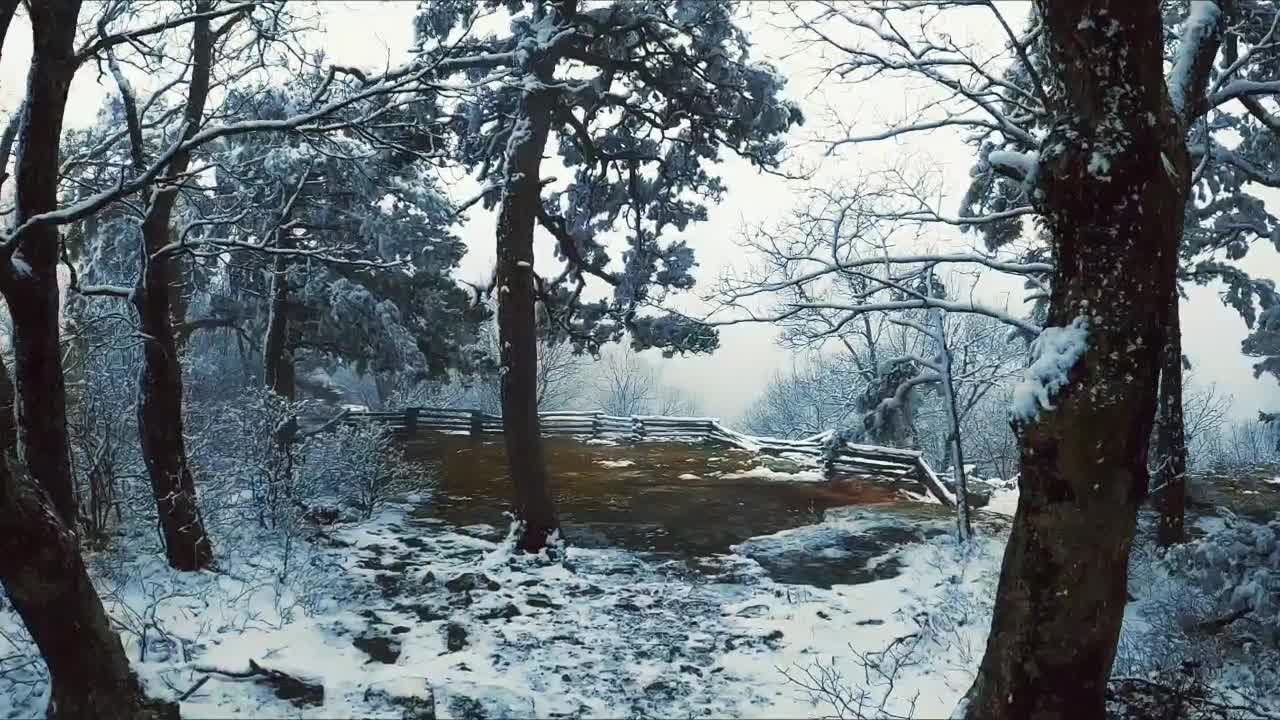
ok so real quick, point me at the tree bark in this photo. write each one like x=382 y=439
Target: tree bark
x=8 y=421
x=29 y=278
x=160 y=420
x=45 y=579
x=1171 y=441
x=1112 y=190
x=277 y=359
x=517 y=326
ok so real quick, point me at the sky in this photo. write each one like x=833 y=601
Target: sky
x=375 y=34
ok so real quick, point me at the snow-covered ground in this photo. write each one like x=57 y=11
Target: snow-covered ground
x=399 y=609
x=877 y=607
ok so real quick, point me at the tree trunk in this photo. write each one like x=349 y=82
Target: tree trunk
x=1171 y=442
x=1112 y=189
x=517 y=329
x=8 y=421
x=182 y=269
x=44 y=577
x=160 y=421
x=277 y=358
x=29 y=279
x=964 y=527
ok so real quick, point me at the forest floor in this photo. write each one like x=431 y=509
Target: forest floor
x=408 y=615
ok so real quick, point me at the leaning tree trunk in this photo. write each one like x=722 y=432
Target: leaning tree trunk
x=1171 y=441
x=517 y=327
x=1110 y=187
x=45 y=579
x=29 y=278
x=160 y=421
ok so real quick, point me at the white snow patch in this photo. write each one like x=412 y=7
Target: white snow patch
x=1053 y=354
x=689 y=476
x=766 y=473
x=616 y=463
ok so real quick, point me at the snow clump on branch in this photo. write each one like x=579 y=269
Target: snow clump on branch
x=1053 y=354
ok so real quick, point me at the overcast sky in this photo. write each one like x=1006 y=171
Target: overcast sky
x=373 y=34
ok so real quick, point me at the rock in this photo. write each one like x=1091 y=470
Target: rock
x=506 y=612
x=691 y=669
x=753 y=611
x=473 y=701
x=823 y=615
x=382 y=649
x=455 y=637
x=780 y=465
x=774 y=637
x=628 y=606
x=425 y=613
x=539 y=600
x=399 y=630
x=869 y=621
x=588 y=591
x=530 y=582
x=413 y=696
x=471 y=581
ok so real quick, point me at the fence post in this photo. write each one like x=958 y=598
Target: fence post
x=595 y=424
x=411 y=419
x=476 y=424
x=637 y=426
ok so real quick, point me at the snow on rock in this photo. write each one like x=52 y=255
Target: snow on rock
x=616 y=463
x=1053 y=354
x=768 y=473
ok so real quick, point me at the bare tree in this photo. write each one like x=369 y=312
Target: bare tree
x=624 y=383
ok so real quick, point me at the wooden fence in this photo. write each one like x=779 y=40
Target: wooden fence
x=820 y=451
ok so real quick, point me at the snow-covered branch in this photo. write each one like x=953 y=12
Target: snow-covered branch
x=1197 y=47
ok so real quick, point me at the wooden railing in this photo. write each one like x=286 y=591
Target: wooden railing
x=820 y=451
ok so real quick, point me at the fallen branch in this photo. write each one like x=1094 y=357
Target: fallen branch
x=1215 y=625
x=286 y=686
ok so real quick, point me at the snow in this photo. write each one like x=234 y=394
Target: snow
x=1004 y=501
x=767 y=473
x=1201 y=19
x=1099 y=165
x=1053 y=354
x=1024 y=165
x=616 y=463
x=608 y=633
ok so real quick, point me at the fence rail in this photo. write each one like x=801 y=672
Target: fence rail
x=822 y=450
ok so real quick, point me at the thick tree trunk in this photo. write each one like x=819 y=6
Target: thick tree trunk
x=517 y=327
x=160 y=421
x=45 y=579
x=277 y=358
x=1171 y=442
x=29 y=279
x=1112 y=176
